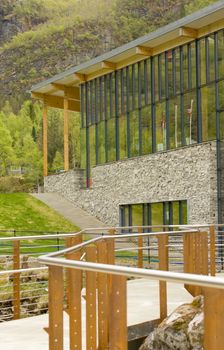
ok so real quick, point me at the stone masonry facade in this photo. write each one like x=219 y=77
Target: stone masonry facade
x=188 y=173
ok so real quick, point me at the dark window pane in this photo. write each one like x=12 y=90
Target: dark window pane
x=111 y=140
x=175 y=122
x=83 y=148
x=208 y=111
x=160 y=126
x=146 y=127
x=101 y=142
x=221 y=54
x=134 y=133
x=157 y=214
x=123 y=136
x=92 y=147
x=137 y=215
x=190 y=118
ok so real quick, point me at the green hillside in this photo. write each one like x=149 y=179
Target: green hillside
x=20 y=211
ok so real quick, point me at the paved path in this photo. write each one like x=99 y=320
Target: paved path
x=143 y=305
x=67 y=209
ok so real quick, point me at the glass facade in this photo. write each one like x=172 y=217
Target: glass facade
x=167 y=101
x=147 y=214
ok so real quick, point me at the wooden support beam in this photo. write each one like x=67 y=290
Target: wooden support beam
x=56 y=300
x=213 y=318
x=45 y=148
x=163 y=266
x=81 y=78
x=143 y=51
x=140 y=251
x=16 y=280
x=108 y=65
x=103 y=303
x=118 y=334
x=71 y=92
x=212 y=251
x=74 y=291
x=66 y=150
x=188 y=32
x=57 y=101
x=91 y=326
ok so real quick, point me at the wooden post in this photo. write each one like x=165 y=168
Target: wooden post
x=140 y=251
x=66 y=152
x=118 y=337
x=56 y=301
x=213 y=318
x=74 y=290
x=212 y=251
x=16 y=280
x=91 y=329
x=45 y=151
x=163 y=265
x=103 y=304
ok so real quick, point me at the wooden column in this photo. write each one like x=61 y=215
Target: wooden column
x=213 y=318
x=91 y=325
x=56 y=301
x=74 y=290
x=118 y=330
x=45 y=165
x=163 y=266
x=66 y=152
x=212 y=251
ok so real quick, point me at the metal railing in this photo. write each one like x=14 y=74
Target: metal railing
x=110 y=288
x=89 y=258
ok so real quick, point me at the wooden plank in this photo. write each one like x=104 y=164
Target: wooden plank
x=57 y=101
x=163 y=265
x=144 y=51
x=91 y=326
x=213 y=318
x=212 y=251
x=66 y=151
x=45 y=147
x=74 y=290
x=140 y=251
x=118 y=337
x=103 y=305
x=56 y=301
x=16 y=280
x=188 y=32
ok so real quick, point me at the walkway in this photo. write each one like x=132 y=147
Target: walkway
x=143 y=305
x=77 y=216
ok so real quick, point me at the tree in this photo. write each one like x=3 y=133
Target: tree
x=58 y=163
x=7 y=155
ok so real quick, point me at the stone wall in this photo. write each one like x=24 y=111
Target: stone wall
x=187 y=173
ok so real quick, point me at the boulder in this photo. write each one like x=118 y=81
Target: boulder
x=182 y=330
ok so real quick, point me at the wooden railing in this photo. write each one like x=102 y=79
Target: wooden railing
x=106 y=291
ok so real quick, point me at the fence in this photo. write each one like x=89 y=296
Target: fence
x=189 y=250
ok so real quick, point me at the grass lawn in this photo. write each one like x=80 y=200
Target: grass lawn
x=21 y=211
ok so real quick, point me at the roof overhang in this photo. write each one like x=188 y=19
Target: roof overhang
x=66 y=84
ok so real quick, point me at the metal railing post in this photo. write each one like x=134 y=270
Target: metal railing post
x=16 y=280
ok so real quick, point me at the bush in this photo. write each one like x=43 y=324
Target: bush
x=12 y=184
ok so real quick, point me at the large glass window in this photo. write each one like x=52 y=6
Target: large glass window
x=156 y=214
x=160 y=102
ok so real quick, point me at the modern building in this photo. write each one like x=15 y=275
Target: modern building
x=152 y=126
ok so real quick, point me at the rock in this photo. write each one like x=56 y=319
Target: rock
x=182 y=330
